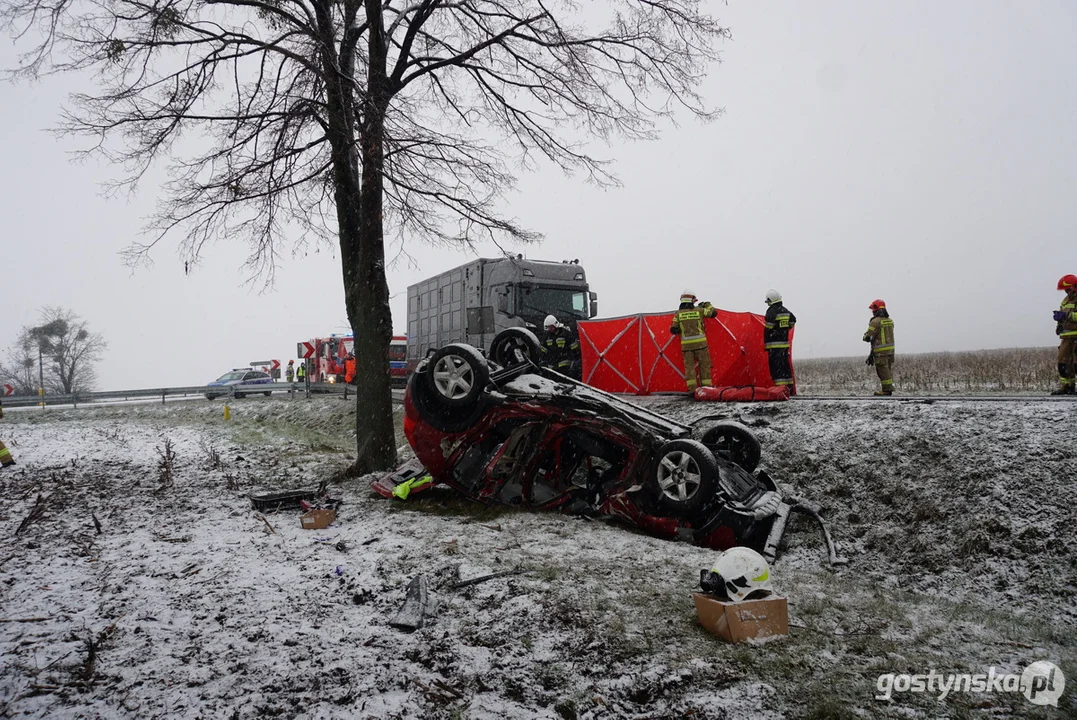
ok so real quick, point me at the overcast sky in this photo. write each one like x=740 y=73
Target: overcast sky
x=921 y=152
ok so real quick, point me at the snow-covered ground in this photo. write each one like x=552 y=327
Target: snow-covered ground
x=958 y=519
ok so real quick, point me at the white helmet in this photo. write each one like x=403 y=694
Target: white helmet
x=550 y=321
x=743 y=571
x=773 y=296
x=688 y=296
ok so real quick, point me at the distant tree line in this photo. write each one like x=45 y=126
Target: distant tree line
x=59 y=353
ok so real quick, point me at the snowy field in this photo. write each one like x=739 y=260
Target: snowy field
x=958 y=520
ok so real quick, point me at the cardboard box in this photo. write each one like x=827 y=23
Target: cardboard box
x=317 y=519
x=738 y=622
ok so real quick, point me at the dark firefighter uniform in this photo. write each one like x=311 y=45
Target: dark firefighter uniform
x=880 y=334
x=1066 y=329
x=561 y=351
x=5 y=454
x=301 y=372
x=776 y=326
x=688 y=324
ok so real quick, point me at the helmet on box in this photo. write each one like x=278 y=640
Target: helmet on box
x=738 y=572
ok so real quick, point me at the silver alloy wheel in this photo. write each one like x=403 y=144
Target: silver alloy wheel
x=678 y=475
x=453 y=376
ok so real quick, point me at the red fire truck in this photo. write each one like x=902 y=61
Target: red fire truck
x=327 y=363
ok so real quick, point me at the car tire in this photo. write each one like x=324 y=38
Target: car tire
x=735 y=443
x=515 y=346
x=268 y=394
x=436 y=414
x=457 y=374
x=239 y=395
x=685 y=475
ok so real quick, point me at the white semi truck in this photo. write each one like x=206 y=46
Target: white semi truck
x=473 y=302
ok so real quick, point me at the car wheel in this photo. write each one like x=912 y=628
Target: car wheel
x=239 y=395
x=686 y=475
x=267 y=394
x=457 y=374
x=515 y=346
x=435 y=413
x=735 y=443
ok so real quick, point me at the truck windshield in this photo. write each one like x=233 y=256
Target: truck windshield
x=544 y=301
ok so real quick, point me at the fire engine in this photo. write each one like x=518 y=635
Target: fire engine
x=327 y=364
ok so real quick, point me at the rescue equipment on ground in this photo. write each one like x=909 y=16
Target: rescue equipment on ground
x=742 y=394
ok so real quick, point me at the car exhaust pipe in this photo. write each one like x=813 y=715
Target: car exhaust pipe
x=781 y=521
x=781 y=517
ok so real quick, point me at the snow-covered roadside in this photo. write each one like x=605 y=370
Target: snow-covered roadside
x=193 y=608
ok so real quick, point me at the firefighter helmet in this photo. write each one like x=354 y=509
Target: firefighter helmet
x=773 y=296
x=688 y=296
x=549 y=322
x=1067 y=281
x=743 y=571
x=877 y=305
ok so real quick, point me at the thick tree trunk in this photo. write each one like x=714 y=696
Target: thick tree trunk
x=367 y=298
x=366 y=292
x=362 y=251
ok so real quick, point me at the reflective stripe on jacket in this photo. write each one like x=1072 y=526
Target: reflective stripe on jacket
x=881 y=334
x=688 y=323
x=560 y=348
x=1069 y=306
x=776 y=326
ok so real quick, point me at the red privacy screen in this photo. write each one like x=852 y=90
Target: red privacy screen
x=637 y=353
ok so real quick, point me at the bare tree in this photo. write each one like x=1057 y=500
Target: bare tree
x=59 y=355
x=20 y=370
x=341 y=119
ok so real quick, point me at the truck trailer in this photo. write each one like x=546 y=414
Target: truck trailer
x=474 y=302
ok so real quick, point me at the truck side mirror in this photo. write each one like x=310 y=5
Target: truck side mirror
x=503 y=301
x=594 y=305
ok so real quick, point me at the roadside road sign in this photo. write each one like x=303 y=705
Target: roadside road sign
x=8 y=390
x=304 y=350
x=275 y=365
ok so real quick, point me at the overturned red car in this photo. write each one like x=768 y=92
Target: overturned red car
x=502 y=430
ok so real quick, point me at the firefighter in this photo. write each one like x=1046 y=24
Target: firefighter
x=560 y=348
x=289 y=372
x=688 y=324
x=1066 y=329
x=5 y=454
x=880 y=334
x=778 y=322
x=349 y=369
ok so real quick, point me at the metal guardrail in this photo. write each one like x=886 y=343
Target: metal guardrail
x=219 y=391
